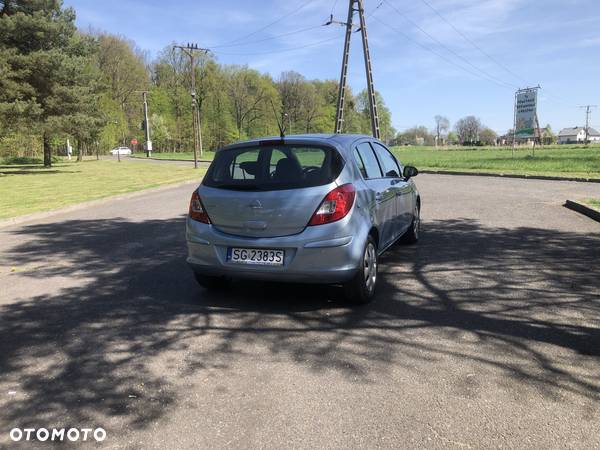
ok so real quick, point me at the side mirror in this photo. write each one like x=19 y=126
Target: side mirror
x=409 y=172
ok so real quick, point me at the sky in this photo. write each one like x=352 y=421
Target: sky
x=448 y=57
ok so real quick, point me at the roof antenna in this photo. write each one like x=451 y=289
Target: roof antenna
x=279 y=124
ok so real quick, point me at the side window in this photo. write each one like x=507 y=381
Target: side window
x=388 y=162
x=360 y=164
x=368 y=160
x=244 y=166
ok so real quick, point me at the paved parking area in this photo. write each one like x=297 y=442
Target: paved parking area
x=486 y=334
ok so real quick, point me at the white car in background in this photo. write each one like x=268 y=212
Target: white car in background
x=121 y=151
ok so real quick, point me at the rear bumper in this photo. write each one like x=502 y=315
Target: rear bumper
x=329 y=277
x=323 y=254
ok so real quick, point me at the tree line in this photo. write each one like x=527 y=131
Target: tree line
x=468 y=131
x=57 y=82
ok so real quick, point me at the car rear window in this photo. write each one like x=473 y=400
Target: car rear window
x=274 y=167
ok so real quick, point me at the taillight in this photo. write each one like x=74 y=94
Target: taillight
x=335 y=206
x=197 y=211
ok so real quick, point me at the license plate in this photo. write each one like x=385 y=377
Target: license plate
x=264 y=257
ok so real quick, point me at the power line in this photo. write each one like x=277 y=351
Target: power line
x=473 y=43
x=486 y=54
x=276 y=21
x=334 y=5
x=379 y=5
x=439 y=55
x=290 y=33
x=302 y=30
x=312 y=44
x=441 y=44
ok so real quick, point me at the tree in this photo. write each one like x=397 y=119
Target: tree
x=160 y=131
x=251 y=95
x=327 y=92
x=452 y=138
x=386 y=130
x=291 y=87
x=311 y=106
x=467 y=130
x=57 y=83
x=170 y=76
x=353 y=122
x=487 y=136
x=123 y=72
x=441 y=126
x=548 y=137
x=418 y=135
x=48 y=65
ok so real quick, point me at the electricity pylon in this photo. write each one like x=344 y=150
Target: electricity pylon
x=356 y=6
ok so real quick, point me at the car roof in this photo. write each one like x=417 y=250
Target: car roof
x=342 y=140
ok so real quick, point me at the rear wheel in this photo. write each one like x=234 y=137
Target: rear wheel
x=412 y=234
x=209 y=282
x=361 y=288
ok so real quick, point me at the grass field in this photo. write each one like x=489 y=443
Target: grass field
x=565 y=161
x=593 y=203
x=26 y=189
x=184 y=156
x=562 y=161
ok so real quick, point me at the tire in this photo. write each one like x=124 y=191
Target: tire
x=361 y=288
x=208 y=282
x=411 y=236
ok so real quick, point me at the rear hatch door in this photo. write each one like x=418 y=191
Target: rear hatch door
x=268 y=190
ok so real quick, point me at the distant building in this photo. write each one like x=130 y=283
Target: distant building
x=576 y=135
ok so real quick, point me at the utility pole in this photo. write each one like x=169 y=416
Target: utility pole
x=147 y=125
x=355 y=6
x=588 y=112
x=190 y=50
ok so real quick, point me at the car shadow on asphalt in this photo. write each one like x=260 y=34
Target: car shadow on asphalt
x=519 y=307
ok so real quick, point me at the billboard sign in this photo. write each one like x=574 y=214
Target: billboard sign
x=526 y=113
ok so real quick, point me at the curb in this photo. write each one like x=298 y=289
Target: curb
x=508 y=175
x=175 y=160
x=582 y=209
x=87 y=204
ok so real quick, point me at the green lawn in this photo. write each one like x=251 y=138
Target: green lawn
x=26 y=189
x=184 y=156
x=566 y=161
x=593 y=203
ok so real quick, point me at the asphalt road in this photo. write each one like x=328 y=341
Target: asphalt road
x=486 y=334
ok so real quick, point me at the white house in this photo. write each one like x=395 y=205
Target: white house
x=576 y=135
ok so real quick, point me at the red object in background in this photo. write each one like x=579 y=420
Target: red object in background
x=134 y=142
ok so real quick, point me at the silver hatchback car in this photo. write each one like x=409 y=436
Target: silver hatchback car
x=306 y=208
